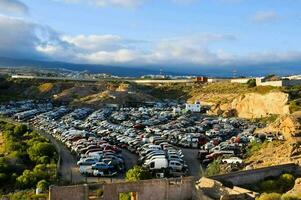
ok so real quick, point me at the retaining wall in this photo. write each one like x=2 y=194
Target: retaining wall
x=155 y=189
x=253 y=176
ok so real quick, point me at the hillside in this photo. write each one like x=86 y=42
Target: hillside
x=74 y=93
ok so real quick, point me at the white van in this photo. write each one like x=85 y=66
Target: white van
x=159 y=163
x=146 y=162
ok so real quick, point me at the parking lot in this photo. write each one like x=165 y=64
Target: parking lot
x=105 y=143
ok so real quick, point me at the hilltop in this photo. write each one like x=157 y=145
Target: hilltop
x=73 y=93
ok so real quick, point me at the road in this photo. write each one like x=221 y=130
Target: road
x=190 y=156
x=68 y=168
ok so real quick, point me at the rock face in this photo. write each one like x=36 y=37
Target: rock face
x=255 y=105
x=288 y=125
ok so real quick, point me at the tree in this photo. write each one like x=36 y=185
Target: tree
x=20 y=130
x=41 y=149
x=137 y=173
x=26 y=180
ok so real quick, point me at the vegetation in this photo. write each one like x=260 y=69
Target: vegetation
x=251 y=83
x=253 y=147
x=266 y=120
x=135 y=174
x=279 y=185
x=28 y=160
x=276 y=196
x=213 y=168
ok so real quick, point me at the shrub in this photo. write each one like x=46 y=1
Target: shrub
x=137 y=173
x=26 y=180
x=20 y=130
x=213 y=168
x=289 y=197
x=43 y=185
x=41 y=149
x=251 y=83
x=269 y=186
x=125 y=196
x=286 y=182
x=269 y=196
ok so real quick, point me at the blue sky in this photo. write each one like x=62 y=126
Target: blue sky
x=154 y=32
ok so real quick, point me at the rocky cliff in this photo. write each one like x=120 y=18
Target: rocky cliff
x=254 y=105
x=288 y=125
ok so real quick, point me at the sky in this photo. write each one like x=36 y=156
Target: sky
x=180 y=34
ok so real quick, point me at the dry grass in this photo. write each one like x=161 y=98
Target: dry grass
x=270 y=153
x=2 y=147
x=46 y=87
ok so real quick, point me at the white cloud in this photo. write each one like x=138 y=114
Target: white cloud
x=121 y=56
x=265 y=16
x=13 y=7
x=103 y=3
x=94 y=42
x=20 y=39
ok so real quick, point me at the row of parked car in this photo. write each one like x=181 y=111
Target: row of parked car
x=156 y=134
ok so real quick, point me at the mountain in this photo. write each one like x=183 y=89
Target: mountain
x=114 y=70
x=281 y=69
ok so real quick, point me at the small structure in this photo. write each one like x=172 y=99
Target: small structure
x=196 y=107
x=201 y=79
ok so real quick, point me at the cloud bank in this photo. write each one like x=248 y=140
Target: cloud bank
x=28 y=40
x=13 y=7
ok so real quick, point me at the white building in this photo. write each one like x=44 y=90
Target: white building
x=196 y=107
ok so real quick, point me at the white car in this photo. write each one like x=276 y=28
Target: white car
x=232 y=160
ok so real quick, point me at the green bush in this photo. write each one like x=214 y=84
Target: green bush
x=26 y=180
x=43 y=185
x=213 y=168
x=125 y=196
x=269 y=185
x=286 y=182
x=137 y=173
x=269 y=196
x=20 y=130
x=251 y=83
x=281 y=184
x=289 y=197
x=41 y=149
x=253 y=147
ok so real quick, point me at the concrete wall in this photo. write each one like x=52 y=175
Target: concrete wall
x=253 y=176
x=240 y=80
x=168 y=189
x=77 y=192
x=155 y=189
x=280 y=83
